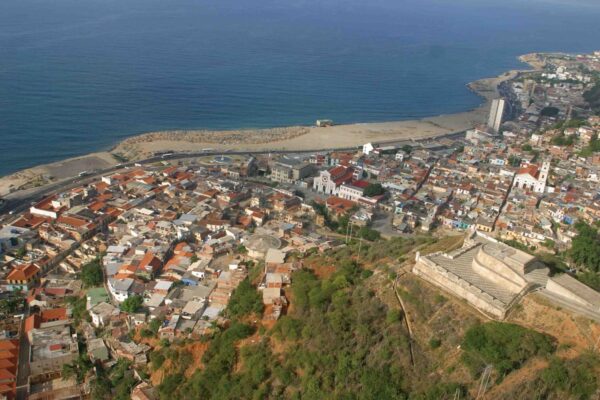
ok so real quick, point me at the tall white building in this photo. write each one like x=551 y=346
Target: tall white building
x=496 y=113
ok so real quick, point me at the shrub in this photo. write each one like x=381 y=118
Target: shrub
x=435 y=343
x=577 y=378
x=245 y=300
x=373 y=189
x=157 y=359
x=505 y=346
x=132 y=304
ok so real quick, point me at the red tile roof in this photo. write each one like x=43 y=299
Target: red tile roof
x=341 y=174
x=360 y=184
x=530 y=169
x=23 y=273
x=9 y=344
x=71 y=221
x=54 y=314
x=97 y=206
x=150 y=260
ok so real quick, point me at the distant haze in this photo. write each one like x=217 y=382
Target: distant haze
x=78 y=75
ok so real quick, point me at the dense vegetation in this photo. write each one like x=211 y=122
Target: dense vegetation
x=77 y=369
x=562 y=140
x=549 y=112
x=585 y=248
x=577 y=378
x=91 y=273
x=340 y=341
x=504 y=346
x=11 y=304
x=245 y=300
x=592 y=147
x=373 y=189
x=78 y=308
x=341 y=225
x=113 y=383
x=132 y=304
x=217 y=379
x=348 y=349
x=571 y=379
x=585 y=253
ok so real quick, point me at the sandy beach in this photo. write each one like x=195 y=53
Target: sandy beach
x=308 y=138
x=286 y=138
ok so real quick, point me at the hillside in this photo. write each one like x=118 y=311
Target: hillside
x=361 y=327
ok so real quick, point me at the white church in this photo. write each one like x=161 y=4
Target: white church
x=532 y=177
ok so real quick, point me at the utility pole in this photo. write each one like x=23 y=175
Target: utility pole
x=347 y=230
x=350 y=231
x=359 y=246
x=456 y=394
x=485 y=378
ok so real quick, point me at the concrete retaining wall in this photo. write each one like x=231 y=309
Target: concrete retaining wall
x=459 y=287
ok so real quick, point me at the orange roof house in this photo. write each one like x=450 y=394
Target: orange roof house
x=55 y=314
x=149 y=264
x=9 y=351
x=23 y=274
x=339 y=206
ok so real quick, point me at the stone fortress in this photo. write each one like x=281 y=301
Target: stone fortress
x=492 y=277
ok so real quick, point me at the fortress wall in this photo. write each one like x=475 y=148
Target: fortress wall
x=497 y=272
x=557 y=288
x=459 y=287
x=459 y=252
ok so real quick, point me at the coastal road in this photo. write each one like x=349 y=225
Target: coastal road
x=21 y=200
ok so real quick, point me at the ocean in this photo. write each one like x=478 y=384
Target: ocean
x=77 y=76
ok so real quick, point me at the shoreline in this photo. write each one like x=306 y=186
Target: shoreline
x=282 y=138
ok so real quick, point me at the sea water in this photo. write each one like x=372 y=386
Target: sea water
x=77 y=76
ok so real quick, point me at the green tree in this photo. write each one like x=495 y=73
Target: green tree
x=585 y=247
x=373 y=189
x=407 y=148
x=244 y=300
x=592 y=147
x=369 y=234
x=77 y=368
x=549 y=112
x=562 y=140
x=132 y=304
x=78 y=308
x=91 y=273
x=22 y=252
x=11 y=304
x=514 y=161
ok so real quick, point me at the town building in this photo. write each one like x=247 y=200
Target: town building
x=330 y=181
x=532 y=178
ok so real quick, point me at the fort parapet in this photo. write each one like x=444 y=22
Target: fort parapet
x=492 y=277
